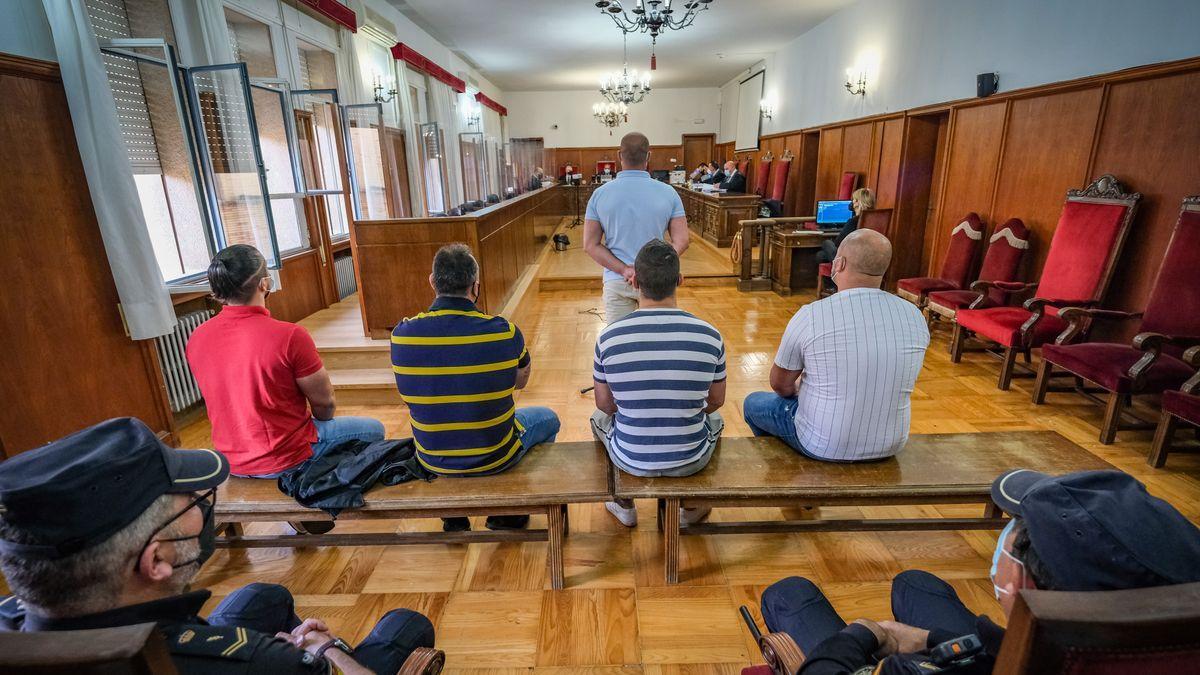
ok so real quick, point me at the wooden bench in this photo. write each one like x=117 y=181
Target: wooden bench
x=545 y=481
x=932 y=469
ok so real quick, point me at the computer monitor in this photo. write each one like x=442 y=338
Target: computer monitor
x=833 y=212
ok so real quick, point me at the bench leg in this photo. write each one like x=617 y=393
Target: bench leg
x=990 y=510
x=233 y=530
x=661 y=510
x=670 y=517
x=555 y=526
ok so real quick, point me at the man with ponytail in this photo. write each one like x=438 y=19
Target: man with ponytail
x=269 y=397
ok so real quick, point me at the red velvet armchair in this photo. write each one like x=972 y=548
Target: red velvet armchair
x=1177 y=406
x=964 y=244
x=847 y=186
x=1083 y=254
x=1002 y=262
x=1151 y=364
x=777 y=182
x=761 y=172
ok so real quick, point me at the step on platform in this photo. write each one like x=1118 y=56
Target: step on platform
x=359 y=367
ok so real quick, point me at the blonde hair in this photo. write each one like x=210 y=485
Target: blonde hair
x=865 y=199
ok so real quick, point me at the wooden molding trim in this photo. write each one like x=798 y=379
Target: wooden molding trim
x=26 y=67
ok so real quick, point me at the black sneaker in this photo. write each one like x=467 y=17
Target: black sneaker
x=312 y=526
x=460 y=524
x=507 y=522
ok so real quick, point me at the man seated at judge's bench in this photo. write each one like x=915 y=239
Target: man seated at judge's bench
x=714 y=175
x=625 y=213
x=660 y=379
x=108 y=527
x=733 y=181
x=698 y=173
x=457 y=368
x=844 y=373
x=268 y=395
x=535 y=181
x=1085 y=531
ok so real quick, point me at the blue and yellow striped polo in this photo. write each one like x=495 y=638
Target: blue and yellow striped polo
x=456 y=368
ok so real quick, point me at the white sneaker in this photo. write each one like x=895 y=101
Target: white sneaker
x=693 y=516
x=626 y=516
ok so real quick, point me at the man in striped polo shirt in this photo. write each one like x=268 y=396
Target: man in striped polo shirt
x=845 y=370
x=457 y=369
x=660 y=378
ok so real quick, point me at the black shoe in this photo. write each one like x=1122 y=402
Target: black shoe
x=312 y=526
x=507 y=522
x=460 y=524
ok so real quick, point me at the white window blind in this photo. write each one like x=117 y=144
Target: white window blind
x=111 y=22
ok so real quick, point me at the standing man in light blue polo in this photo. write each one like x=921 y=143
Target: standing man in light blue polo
x=627 y=213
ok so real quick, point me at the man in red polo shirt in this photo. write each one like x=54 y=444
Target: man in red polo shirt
x=260 y=377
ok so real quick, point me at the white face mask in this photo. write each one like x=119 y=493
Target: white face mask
x=1001 y=551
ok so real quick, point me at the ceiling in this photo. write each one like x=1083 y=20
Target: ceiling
x=539 y=45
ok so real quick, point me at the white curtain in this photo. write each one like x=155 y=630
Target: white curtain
x=354 y=88
x=144 y=298
x=213 y=47
x=445 y=113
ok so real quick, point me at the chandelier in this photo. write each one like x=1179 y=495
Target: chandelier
x=652 y=16
x=623 y=86
x=610 y=114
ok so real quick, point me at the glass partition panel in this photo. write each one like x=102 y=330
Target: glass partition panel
x=474 y=168
x=364 y=135
x=322 y=155
x=433 y=169
x=276 y=140
x=227 y=137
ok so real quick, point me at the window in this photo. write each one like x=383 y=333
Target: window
x=318 y=67
x=250 y=41
x=364 y=123
x=433 y=167
x=474 y=166
x=321 y=156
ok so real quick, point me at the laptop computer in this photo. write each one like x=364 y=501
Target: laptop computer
x=832 y=214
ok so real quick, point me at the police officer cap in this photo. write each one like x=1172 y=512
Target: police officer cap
x=1101 y=530
x=80 y=490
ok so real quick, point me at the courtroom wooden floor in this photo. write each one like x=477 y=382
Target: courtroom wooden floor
x=491 y=604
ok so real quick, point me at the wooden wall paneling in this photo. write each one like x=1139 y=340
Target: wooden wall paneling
x=972 y=158
x=942 y=122
x=890 y=139
x=1150 y=139
x=68 y=361
x=300 y=294
x=805 y=168
x=794 y=143
x=914 y=179
x=829 y=163
x=1047 y=143
x=664 y=157
x=857 y=141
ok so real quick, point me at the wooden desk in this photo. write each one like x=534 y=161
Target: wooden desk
x=793 y=259
x=715 y=217
x=393 y=258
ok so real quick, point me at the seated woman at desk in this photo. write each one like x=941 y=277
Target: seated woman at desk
x=861 y=200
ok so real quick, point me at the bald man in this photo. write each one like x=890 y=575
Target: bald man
x=845 y=369
x=625 y=213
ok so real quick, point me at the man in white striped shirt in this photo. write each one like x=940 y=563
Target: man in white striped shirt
x=660 y=378
x=845 y=370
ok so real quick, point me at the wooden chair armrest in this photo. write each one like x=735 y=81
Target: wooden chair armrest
x=1192 y=356
x=1152 y=344
x=1038 y=308
x=423 y=661
x=781 y=653
x=1078 y=319
x=1008 y=287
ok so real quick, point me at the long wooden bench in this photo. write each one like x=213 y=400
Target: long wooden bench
x=544 y=482
x=932 y=469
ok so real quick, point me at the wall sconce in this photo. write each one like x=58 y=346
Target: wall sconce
x=380 y=95
x=856 y=83
x=766 y=109
x=474 y=115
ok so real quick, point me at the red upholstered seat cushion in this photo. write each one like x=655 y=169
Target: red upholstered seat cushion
x=1174 y=306
x=1179 y=404
x=849 y=182
x=756 y=670
x=923 y=285
x=956 y=299
x=825 y=269
x=1079 y=253
x=1003 y=325
x=1106 y=364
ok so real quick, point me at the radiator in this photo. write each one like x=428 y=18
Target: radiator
x=343 y=267
x=182 y=390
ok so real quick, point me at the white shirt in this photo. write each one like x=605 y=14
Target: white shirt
x=861 y=350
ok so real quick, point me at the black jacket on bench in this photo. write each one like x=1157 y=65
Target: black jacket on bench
x=338 y=478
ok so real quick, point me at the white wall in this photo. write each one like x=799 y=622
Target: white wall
x=664 y=116
x=929 y=51
x=24 y=30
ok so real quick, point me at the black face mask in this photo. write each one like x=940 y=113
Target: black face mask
x=208 y=530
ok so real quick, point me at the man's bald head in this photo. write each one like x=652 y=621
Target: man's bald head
x=635 y=150
x=866 y=252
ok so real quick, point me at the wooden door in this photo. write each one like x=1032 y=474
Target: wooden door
x=316 y=207
x=697 y=148
x=397 y=158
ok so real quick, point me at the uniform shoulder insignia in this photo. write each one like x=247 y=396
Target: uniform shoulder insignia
x=229 y=642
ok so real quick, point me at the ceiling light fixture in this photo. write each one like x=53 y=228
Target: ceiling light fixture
x=653 y=17
x=610 y=114
x=623 y=86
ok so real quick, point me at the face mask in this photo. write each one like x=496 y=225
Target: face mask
x=1000 y=551
x=833 y=270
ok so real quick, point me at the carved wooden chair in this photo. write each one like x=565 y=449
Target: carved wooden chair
x=956 y=268
x=848 y=185
x=1002 y=262
x=1143 y=631
x=1151 y=363
x=879 y=220
x=777 y=182
x=1177 y=406
x=761 y=172
x=1083 y=254
x=743 y=165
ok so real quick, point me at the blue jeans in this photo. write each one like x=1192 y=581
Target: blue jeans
x=797 y=607
x=539 y=424
x=334 y=432
x=769 y=414
x=270 y=609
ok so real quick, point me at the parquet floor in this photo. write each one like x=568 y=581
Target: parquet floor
x=701 y=258
x=490 y=602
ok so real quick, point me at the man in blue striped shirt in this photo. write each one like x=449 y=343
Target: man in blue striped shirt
x=660 y=378
x=457 y=369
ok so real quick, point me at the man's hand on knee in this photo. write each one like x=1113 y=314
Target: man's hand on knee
x=908 y=639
